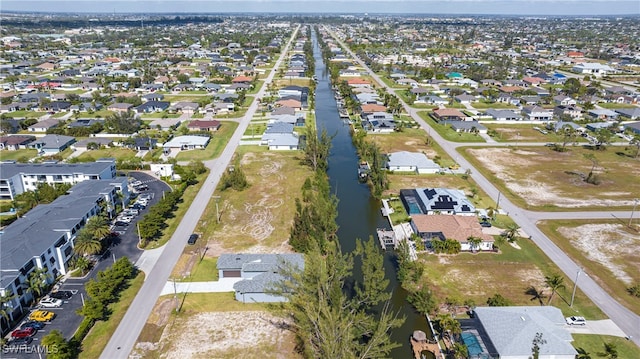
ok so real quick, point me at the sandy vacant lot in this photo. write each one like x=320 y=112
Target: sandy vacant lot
x=608 y=244
x=544 y=177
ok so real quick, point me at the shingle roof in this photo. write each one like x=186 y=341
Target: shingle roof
x=512 y=330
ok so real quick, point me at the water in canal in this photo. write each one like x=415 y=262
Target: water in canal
x=358 y=213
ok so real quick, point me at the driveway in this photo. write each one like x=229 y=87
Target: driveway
x=601 y=327
x=222 y=285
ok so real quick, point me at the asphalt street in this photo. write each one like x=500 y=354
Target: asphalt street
x=628 y=321
x=125 y=336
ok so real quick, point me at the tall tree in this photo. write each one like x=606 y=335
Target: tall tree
x=554 y=282
x=372 y=290
x=86 y=244
x=317 y=149
x=327 y=322
x=37 y=282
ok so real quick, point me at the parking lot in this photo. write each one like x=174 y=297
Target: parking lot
x=124 y=245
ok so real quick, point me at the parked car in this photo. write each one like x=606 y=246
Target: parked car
x=61 y=294
x=140 y=188
x=138 y=206
x=485 y=224
x=192 y=239
x=21 y=341
x=48 y=302
x=576 y=320
x=121 y=224
x=42 y=316
x=32 y=324
x=23 y=333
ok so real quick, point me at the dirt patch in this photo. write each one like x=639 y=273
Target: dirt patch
x=224 y=332
x=535 y=177
x=604 y=244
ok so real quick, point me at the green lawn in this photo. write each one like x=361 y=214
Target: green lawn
x=594 y=345
x=115 y=152
x=215 y=147
x=17 y=155
x=94 y=343
x=496 y=105
x=96 y=114
x=613 y=106
x=163 y=114
x=446 y=131
x=25 y=114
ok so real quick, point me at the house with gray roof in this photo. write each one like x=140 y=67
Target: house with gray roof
x=630 y=113
x=52 y=144
x=417 y=162
x=44 y=237
x=259 y=273
x=507 y=332
x=503 y=115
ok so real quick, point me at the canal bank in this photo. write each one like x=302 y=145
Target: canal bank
x=358 y=212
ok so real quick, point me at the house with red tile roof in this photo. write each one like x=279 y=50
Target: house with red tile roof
x=441 y=227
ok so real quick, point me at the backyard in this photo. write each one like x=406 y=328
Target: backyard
x=511 y=273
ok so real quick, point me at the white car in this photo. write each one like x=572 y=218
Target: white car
x=576 y=320
x=48 y=302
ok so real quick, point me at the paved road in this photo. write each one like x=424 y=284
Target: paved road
x=125 y=336
x=628 y=321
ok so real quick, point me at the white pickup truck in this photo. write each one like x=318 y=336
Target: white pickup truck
x=575 y=320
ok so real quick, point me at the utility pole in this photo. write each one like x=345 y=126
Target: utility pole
x=217 y=198
x=575 y=285
x=635 y=203
x=175 y=293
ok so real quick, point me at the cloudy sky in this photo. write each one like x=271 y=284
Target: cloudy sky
x=498 y=7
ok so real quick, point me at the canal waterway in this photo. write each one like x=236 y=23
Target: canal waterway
x=358 y=212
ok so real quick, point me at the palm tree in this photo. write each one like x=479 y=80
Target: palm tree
x=5 y=310
x=512 y=232
x=98 y=227
x=554 y=282
x=85 y=244
x=83 y=264
x=37 y=282
x=474 y=242
x=610 y=351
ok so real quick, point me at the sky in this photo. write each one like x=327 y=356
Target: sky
x=495 y=7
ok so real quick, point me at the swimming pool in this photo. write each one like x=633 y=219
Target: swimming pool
x=472 y=343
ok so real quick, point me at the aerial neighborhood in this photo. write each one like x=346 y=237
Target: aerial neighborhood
x=268 y=179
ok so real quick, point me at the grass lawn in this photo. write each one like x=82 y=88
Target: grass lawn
x=510 y=273
x=495 y=105
x=172 y=223
x=115 y=152
x=18 y=154
x=163 y=114
x=614 y=106
x=216 y=145
x=603 y=249
x=189 y=97
x=193 y=266
x=260 y=215
x=96 y=114
x=25 y=114
x=446 y=131
x=594 y=344
x=255 y=129
x=291 y=82
x=508 y=132
x=388 y=81
x=97 y=339
x=542 y=179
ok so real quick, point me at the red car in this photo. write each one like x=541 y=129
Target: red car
x=23 y=333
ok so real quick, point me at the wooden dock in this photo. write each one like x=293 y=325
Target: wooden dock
x=420 y=343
